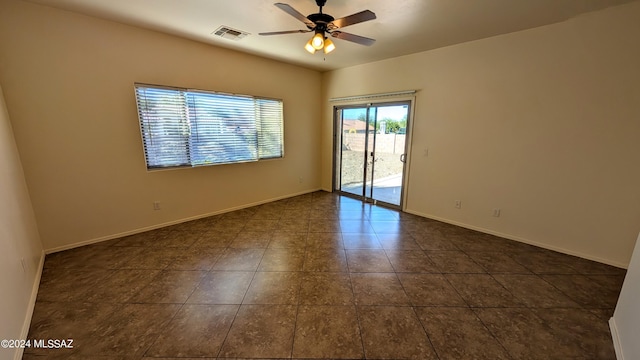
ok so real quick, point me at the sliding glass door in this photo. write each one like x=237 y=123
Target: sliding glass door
x=370 y=151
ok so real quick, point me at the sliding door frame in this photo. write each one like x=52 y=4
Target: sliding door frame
x=337 y=147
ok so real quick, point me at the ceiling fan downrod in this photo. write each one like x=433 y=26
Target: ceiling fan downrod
x=320 y=4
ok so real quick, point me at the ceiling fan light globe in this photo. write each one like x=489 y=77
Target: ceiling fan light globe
x=329 y=46
x=317 y=41
x=310 y=47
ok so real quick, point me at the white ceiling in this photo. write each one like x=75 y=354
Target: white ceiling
x=402 y=26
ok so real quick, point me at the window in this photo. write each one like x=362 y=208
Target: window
x=184 y=127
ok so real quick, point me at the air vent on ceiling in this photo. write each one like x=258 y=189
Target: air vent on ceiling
x=229 y=33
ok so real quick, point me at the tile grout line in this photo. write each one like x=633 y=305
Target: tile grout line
x=358 y=319
x=435 y=351
x=472 y=308
x=295 y=322
x=239 y=305
x=355 y=303
x=415 y=312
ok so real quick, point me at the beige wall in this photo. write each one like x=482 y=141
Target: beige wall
x=68 y=82
x=18 y=240
x=542 y=124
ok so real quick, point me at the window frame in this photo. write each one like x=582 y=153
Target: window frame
x=191 y=122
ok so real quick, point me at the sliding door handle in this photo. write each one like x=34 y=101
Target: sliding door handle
x=403 y=158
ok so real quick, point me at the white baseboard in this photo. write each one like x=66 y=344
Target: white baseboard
x=520 y=239
x=158 y=226
x=32 y=304
x=616 y=339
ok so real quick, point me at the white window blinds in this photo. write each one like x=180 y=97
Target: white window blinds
x=183 y=127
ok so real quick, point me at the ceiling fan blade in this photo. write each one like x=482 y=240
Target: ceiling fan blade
x=356 y=18
x=293 y=12
x=284 y=32
x=353 y=38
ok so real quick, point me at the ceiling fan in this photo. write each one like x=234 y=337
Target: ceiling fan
x=322 y=24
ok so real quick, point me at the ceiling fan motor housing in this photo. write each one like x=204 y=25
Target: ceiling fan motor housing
x=321 y=20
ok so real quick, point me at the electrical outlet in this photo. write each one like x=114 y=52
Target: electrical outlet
x=458 y=204
x=300 y=179
x=24 y=265
x=496 y=212
x=156 y=205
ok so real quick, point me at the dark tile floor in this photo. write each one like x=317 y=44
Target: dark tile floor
x=323 y=276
